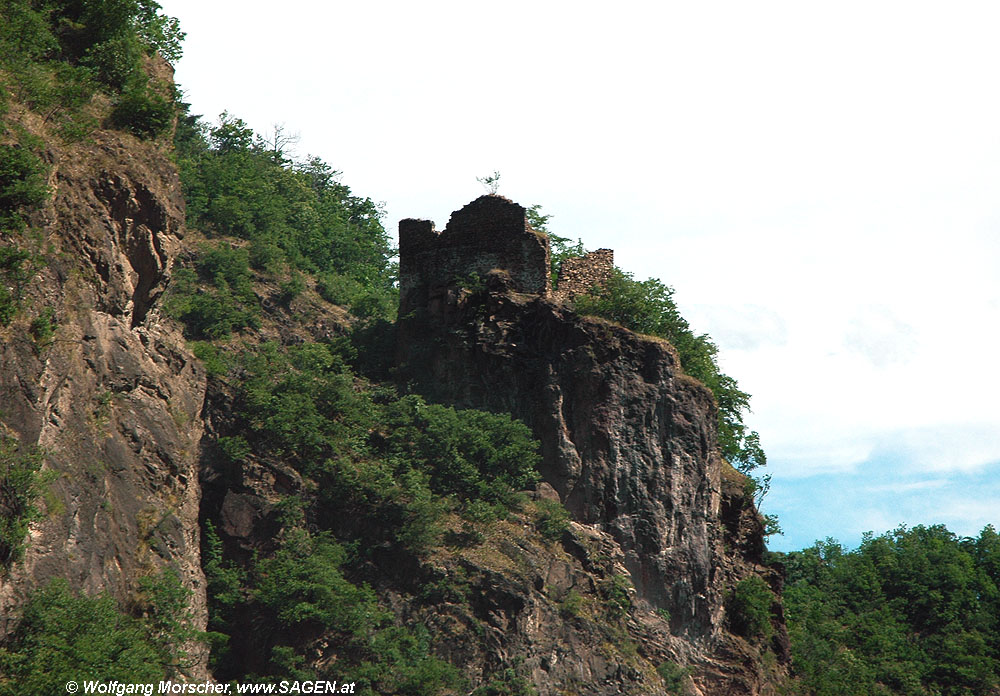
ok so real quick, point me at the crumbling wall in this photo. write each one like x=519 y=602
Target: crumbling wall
x=579 y=274
x=490 y=233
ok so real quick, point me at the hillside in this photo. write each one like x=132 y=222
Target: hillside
x=222 y=457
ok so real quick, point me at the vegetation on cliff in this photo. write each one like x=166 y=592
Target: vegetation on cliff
x=385 y=510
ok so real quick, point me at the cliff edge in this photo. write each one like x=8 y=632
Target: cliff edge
x=628 y=440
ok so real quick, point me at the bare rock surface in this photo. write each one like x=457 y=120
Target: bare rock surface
x=115 y=399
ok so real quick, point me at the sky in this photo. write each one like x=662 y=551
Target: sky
x=817 y=181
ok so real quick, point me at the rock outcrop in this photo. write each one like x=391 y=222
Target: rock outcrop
x=629 y=441
x=114 y=398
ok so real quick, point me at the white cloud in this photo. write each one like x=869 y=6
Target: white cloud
x=741 y=327
x=879 y=336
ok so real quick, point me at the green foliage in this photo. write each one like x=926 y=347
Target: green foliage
x=491 y=183
x=552 y=519
x=143 y=112
x=913 y=611
x=217 y=297
x=217 y=362
x=507 y=683
x=473 y=454
x=538 y=220
x=17 y=268
x=363 y=302
x=22 y=186
x=300 y=403
x=236 y=449
x=43 y=327
x=571 y=605
x=617 y=595
x=163 y=602
x=749 y=608
x=560 y=248
x=301 y=590
x=57 y=55
x=674 y=678
x=65 y=637
x=385 y=471
x=303 y=585
x=20 y=487
x=293 y=214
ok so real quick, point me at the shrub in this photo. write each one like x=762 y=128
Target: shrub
x=20 y=486
x=293 y=287
x=63 y=636
x=16 y=270
x=22 y=185
x=143 y=112
x=749 y=608
x=648 y=307
x=303 y=585
x=572 y=604
x=218 y=297
x=507 y=683
x=470 y=453
x=217 y=362
x=163 y=601
x=43 y=327
x=116 y=62
x=552 y=519
x=617 y=595
x=674 y=678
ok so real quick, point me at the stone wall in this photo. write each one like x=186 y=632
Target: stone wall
x=490 y=233
x=579 y=274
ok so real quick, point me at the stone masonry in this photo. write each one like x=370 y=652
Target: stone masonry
x=579 y=274
x=490 y=233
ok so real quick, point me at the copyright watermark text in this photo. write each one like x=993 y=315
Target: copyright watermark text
x=117 y=688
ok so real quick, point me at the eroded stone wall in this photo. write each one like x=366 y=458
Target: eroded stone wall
x=490 y=233
x=579 y=274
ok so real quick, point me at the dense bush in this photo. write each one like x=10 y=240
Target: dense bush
x=216 y=297
x=20 y=487
x=22 y=185
x=57 y=55
x=473 y=454
x=17 y=268
x=749 y=607
x=301 y=591
x=914 y=611
x=143 y=112
x=63 y=636
x=674 y=678
x=386 y=471
x=294 y=214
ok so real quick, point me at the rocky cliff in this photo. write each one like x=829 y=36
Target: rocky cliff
x=628 y=440
x=113 y=398
x=631 y=597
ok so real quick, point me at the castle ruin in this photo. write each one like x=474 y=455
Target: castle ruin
x=489 y=234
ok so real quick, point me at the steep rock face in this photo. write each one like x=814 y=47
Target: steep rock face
x=629 y=445
x=628 y=441
x=115 y=399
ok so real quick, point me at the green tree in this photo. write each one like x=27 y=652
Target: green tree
x=909 y=612
x=64 y=637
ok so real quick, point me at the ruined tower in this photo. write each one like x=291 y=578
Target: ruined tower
x=489 y=234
